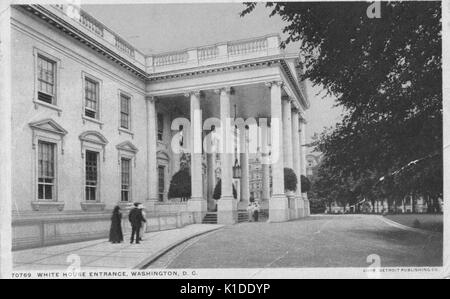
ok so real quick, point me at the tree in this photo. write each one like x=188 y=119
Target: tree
x=218 y=190
x=180 y=185
x=386 y=73
x=290 y=180
x=305 y=184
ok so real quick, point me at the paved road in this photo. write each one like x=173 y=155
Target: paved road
x=318 y=241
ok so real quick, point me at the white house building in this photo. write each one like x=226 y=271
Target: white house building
x=93 y=125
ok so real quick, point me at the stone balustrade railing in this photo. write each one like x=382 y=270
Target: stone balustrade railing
x=213 y=54
x=194 y=57
x=123 y=46
x=89 y=22
x=168 y=59
x=257 y=45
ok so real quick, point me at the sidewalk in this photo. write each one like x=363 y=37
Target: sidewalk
x=100 y=254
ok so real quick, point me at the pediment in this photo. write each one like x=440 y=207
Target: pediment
x=94 y=137
x=127 y=146
x=162 y=155
x=48 y=125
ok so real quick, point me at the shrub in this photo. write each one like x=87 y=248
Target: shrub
x=180 y=185
x=218 y=190
x=290 y=180
x=306 y=184
x=416 y=224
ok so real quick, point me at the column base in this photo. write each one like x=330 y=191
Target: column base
x=227 y=210
x=198 y=206
x=306 y=204
x=278 y=208
x=292 y=205
x=300 y=206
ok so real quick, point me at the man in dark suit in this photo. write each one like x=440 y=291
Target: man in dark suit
x=136 y=218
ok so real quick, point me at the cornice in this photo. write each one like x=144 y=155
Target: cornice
x=71 y=30
x=67 y=28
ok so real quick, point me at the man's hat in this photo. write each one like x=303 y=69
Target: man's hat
x=136 y=204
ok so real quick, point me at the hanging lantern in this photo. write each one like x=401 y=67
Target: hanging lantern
x=237 y=171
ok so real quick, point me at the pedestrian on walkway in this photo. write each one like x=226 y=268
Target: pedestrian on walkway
x=256 y=211
x=144 y=223
x=250 y=211
x=115 y=232
x=135 y=217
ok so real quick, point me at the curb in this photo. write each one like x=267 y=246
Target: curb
x=145 y=263
x=407 y=228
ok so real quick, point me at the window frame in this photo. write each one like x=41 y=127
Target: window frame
x=97 y=181
x=130 y=178
x=98 y=119
x=121 y=129
x=161 y=194
x=54 y=185
x=55 y=104
x=158 y=131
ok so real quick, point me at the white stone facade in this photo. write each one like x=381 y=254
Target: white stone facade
x=111 y=108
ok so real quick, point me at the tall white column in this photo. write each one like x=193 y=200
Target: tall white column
x=265 y=166
x=227 y=205
x=278 y=206
x=245 y=192
x=287 y=132
x=303 y=161
x=296 y=162
x=152 y=176
x=197 y=203
x=211 y=161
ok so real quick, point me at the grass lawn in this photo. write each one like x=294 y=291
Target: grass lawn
x=423 y=221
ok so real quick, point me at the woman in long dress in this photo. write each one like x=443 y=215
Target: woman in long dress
x=115 y=233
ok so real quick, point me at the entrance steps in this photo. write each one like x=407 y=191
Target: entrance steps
x=210 y=218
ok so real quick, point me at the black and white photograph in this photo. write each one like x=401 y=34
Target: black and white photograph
x=252 y=140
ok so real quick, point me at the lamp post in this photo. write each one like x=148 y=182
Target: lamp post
x=237 y=171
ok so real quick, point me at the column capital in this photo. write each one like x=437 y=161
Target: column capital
x=226 y=89
x=287 y=99
x=197 y=93
x=272 y=83
x=151 y=99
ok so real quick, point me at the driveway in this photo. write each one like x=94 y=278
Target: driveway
x=316 y=241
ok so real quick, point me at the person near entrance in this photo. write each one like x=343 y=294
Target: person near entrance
x=136 y=219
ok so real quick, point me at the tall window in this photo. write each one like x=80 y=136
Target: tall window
x=124 y=112
x=126 y=179
x=46 y=171
x=46 y=80
x=91 y=96
x=160 y=126
x=161 y=182
x=91 y=175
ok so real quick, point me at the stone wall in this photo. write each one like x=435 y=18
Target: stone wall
x=31 y=231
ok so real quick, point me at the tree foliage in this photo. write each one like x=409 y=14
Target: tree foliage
x=218 y=190
x=290 y=180
x=305 y=184
x=386 y=73
x=180 y=185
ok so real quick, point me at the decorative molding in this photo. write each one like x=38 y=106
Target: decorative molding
x=127 y=147
x=151 y=99
x=47 y=205
x=95 y=138
x=50 y=126
x=53 y=20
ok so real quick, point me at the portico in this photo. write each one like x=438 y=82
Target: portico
x=244 y=100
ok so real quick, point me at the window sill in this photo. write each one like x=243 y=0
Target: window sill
x=38 y=103
x=47 y=205
x=92 y=206
x=126 y=131
x=125 y=205
x=86 y=118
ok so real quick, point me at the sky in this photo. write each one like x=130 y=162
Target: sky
x=157 y=28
